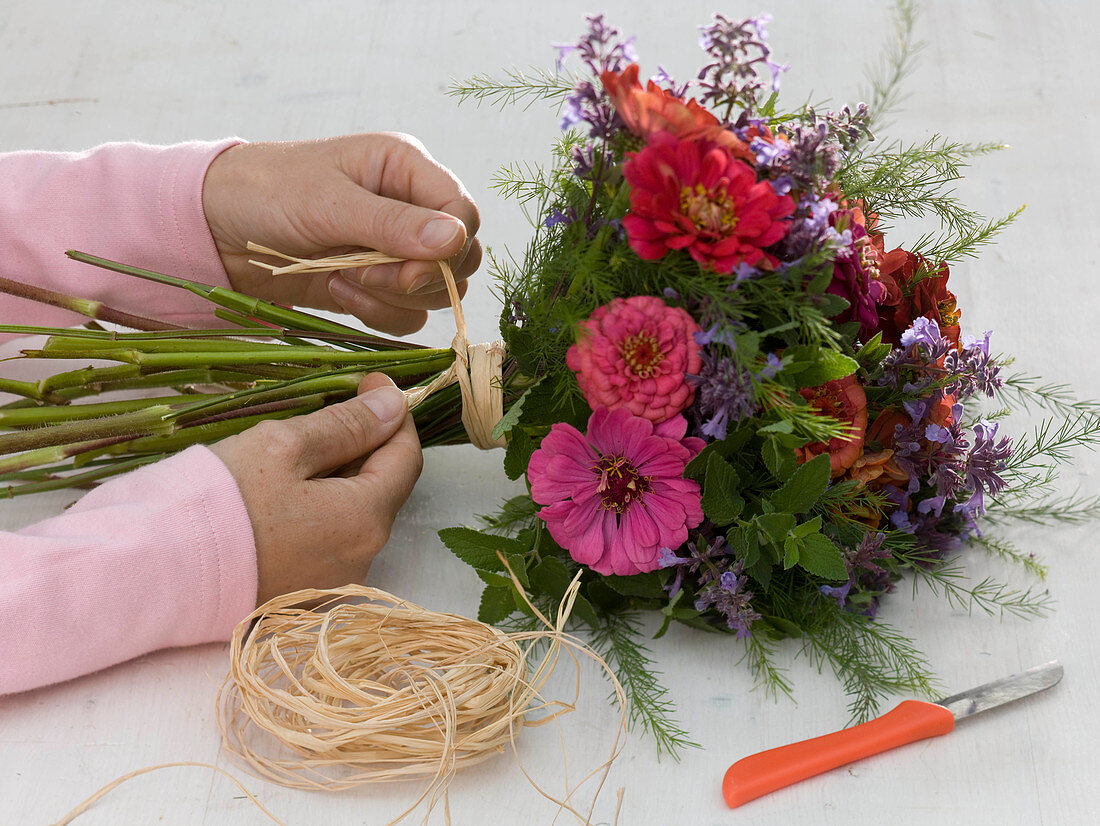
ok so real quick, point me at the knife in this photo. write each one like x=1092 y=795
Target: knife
x=912 y=720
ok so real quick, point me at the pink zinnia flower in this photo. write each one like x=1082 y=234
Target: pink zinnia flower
x=633 y=353
x=615 y=497
x=695 y=195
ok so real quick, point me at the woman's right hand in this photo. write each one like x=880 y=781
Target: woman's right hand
x=313 y=530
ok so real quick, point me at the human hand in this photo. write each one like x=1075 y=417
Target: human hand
x=310 y=199
x=318 y=531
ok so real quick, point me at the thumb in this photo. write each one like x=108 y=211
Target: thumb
x=396 y=228
x=342 y=433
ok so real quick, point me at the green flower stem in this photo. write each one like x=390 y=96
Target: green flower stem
x=77 y=480
x=144 y=422
x=82 y=306
x=53 y=454
x=333 y=384
x=65 y=346
x=247 y=305
x=309 y=356
x=188 y=436
x=261 y=329
x=27 y=389
x=56 y=414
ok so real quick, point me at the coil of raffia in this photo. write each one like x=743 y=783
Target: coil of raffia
x=382 y=689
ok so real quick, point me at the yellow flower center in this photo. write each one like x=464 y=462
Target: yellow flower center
x=642 y=354
x=711 y=211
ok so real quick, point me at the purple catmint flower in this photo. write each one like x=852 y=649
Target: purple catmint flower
x=602 y=50
x=727 y=595
x=987 y=460
x=738 y=50
x=724 y=394
x=971 y=368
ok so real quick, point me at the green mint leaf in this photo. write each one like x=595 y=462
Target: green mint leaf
x=804 y=487
x=807 y=528
x=511 y=417
x=790 y=552
x=640 y=585
x=496 y=605
x=721 y=501
x=518 y=454
x=822 y=558
x=479 y=550
x=775 y=526
x=830 y=365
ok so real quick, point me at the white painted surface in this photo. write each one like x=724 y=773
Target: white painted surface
x=1019 y=72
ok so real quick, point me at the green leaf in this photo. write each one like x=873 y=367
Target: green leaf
x=721 y=500
x=830 y=365
x=496 y=605
x=639 y=585
x=775 y=526
x=784 y=626
x=804 y=487
x=807 y=528
x=762 y=573
x=518 y=454
x=779 y=460
x=791 y=548
x=730 y=446
x=830 y=305
x=872 y=353
x=479 y=550
x=821 y=557
x=745 y=544
x=550 y=578
x=511 y=417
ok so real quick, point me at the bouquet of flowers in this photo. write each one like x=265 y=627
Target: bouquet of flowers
x=748 y=411
x=733 y=401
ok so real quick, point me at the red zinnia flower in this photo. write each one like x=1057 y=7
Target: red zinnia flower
x=696 y=195
x=909 y=297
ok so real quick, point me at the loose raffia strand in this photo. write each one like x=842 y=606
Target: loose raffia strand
x=477 y=368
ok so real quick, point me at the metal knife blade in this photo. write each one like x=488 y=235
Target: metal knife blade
x=1006 y=690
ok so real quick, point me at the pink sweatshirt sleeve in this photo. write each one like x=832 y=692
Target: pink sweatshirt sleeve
x=138 y=204
x=164 y=555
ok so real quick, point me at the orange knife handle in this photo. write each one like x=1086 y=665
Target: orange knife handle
x=759 y=774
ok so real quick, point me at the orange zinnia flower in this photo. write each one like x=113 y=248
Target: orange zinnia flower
x=649 y=110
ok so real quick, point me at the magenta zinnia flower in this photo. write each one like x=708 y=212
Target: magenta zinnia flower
x=615 y=497
x=695 y=195
x=633 y=353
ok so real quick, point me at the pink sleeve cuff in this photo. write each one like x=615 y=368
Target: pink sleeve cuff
x=162 y=556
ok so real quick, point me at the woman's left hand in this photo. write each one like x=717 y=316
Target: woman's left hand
x=317 y=198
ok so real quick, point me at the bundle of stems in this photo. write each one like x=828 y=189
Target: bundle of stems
x=274 y=362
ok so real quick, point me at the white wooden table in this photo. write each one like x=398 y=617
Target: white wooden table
x=1021 y=72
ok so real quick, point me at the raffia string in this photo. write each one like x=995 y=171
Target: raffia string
x=380 y=689
x=477 y=367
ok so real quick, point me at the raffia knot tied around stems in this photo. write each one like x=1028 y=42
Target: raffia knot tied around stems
x=476 y=368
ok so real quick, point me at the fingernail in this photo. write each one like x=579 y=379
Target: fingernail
x=386 y=403
x=383 y=275
x=422 y=281
x=342 y=291
x=439 y=233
